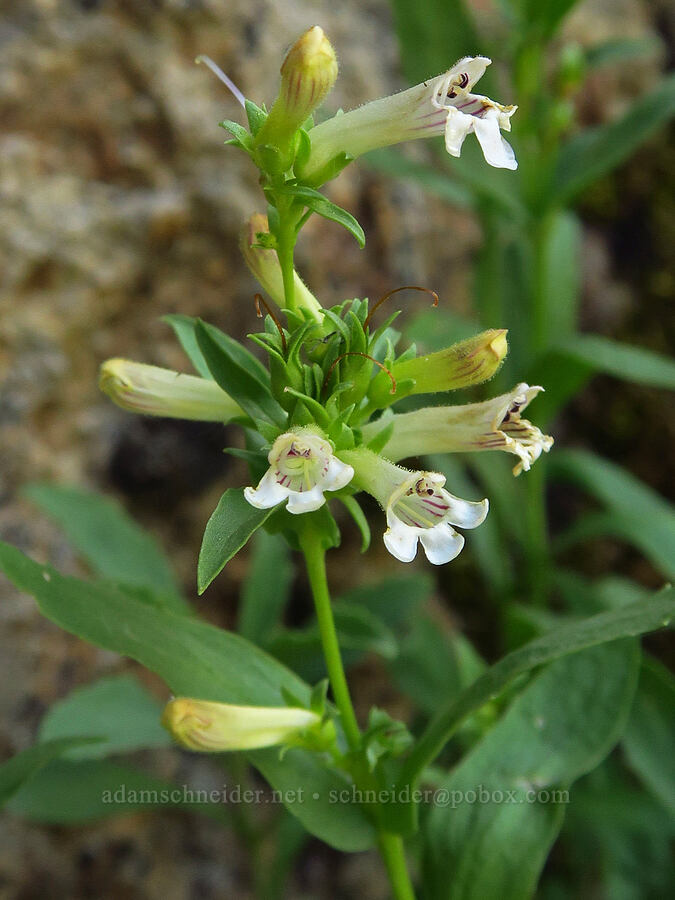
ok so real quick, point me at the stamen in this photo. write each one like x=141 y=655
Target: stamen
x=260 y=299
x=406 y=287
x=218 y=72
x=365 y=356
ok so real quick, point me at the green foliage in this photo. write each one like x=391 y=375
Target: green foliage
x=505 y=798
x=597 y=151
x=231 y=525
x=25 y=765
x=638 y=514
x=115 y=547
x=117 y=711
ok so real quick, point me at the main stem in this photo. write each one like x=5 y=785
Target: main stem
x=390 y=845
x=315 y=557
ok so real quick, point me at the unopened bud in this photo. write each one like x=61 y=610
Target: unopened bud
x=264 y=265
x=215 y=727
x=153 y=391
x=461 y=365
x=307 y=75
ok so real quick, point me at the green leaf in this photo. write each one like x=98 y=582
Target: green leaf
x=597 y=151
x=638 y=514
x=184 y=328
x=232 y=523
x=490 y=841
x=629 y=363
x=117 y=710
x=67 y=793
x=323 y=207
x=359 y=632
x=240 y=374
x=198 y=660
x=441 y=185
x=619 y=50
x=108 y=538
x=546 y=17
x=266 y=589
x=433 y=36
x=561 y=274
x=25 y=765
x=628 y=621
x=650 y=736
x=359 y=518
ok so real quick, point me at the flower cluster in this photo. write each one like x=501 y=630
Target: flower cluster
x=319 y=419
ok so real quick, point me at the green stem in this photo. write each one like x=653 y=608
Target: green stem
x=391 y=848
x=315 y=558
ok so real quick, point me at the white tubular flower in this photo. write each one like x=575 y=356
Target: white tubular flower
x=467 y=112
x=492 y=425
x=422 y=510
x=441 y=105
x=215 y=727
x=417 y=506
x=302 y=467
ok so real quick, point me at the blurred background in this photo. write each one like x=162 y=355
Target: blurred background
x=120 y=204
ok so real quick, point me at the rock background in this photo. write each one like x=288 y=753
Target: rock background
x=118 y=204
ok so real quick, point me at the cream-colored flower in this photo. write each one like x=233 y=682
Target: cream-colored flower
x=441 y=105
x=417 y=507
x=302 y=467
x=492 y=425
x=215 y=727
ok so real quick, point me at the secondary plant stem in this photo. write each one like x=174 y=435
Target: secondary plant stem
x=315 y=557
x=391 y=848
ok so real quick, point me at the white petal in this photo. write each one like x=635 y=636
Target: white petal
x=457 y=126
x=305 y=501
x=495 y=149
x=401 y=541
x=338 y=475
x=466 y=513
x=474 y=67
x=268 y=493
x=441 y=544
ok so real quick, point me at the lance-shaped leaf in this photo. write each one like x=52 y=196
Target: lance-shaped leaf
x=240 y=374
x=232 y=523
x=323 y=207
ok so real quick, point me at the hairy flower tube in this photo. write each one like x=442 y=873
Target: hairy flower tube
x=153 y=391
x=215 y=727
x=302 y=467
x=417 y=507
x=440 y=105
x=492 y=425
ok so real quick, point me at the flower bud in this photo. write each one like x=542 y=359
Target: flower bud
x=153 y=391
x=307 y=75
x=264 y=265
x=215 y=727
x=461 y=365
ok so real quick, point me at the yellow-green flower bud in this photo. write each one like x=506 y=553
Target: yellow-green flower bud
x=307 y=75
x=153 y=391
x=461 y=365
x=215 y=727
x=264 y=265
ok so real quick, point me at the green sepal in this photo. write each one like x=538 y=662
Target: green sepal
x=241 y=136
x=357 y=514
x=331 y=170
x=303 y=147
x=256 y=117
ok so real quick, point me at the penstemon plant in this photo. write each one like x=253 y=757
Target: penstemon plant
x=322 y=425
